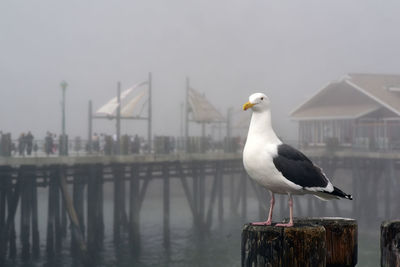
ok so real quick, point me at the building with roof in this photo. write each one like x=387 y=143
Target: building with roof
x=360 y=110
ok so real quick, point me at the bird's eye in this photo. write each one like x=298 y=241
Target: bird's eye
x=262 y=98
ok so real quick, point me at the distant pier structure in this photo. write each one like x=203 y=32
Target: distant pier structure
x=359 y=111
x=73 y=182
x=206 y=180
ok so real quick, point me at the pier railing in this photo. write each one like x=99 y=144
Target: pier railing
x=107 y=146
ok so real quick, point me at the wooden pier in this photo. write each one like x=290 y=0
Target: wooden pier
x=67 y=178
x=73 y=182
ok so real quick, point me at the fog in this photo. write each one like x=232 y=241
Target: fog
x=229 y=49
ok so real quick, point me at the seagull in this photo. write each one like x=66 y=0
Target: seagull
x=278 y=167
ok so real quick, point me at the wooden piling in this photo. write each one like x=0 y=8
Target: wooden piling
x=210 y=212
x=134 y=206
x=3 y=207
x=25 y=214
x=57 y=210
x=166 y=206
x=303 y=245
x=117 y=207
x=63 y=211
x=202 y=193
x=99 y=205
x=91 y=211
x=7 y=233
x=51 y=216
x=220 y=177
x=75 y=227
x=13 y=199
x=188 y=194
x=3 y=195
x=78 y=200
x=35 y=221
x=122 y=200
x=195 y=187
x=390 y=243
x=341 y=239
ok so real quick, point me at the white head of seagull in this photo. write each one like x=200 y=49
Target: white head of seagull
x=260 y=125
x=258 y=102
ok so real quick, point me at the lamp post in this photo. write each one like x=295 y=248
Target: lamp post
x=63 y=145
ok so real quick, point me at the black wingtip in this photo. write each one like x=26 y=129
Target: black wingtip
x=340 y=193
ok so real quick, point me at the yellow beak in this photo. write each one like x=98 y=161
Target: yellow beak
x=247 y=105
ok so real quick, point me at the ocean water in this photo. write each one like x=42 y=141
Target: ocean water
x=220 y=247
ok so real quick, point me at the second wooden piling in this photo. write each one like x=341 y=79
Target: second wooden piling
x=390 y=243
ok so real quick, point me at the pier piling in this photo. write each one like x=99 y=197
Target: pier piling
x=35 y=219
x=75 y=227
x=166 y=206
x=311 y=242
x=303 y=245
x=390 y=243
x=134 y=206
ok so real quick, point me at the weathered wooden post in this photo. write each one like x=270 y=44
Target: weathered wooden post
x=341 y=239
x=390 y=243
x=302 y=245
x=275 y=246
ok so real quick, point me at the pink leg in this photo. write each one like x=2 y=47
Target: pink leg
x=290 y=223
x=271 y=208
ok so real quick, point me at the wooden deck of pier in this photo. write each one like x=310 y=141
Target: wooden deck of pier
x=123 y=159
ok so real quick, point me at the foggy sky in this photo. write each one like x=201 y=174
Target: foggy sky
x=229 y=49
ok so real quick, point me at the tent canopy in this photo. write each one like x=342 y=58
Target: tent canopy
x=202 y=109
x=130 y=100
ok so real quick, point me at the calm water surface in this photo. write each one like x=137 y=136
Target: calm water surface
x=188 y=248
